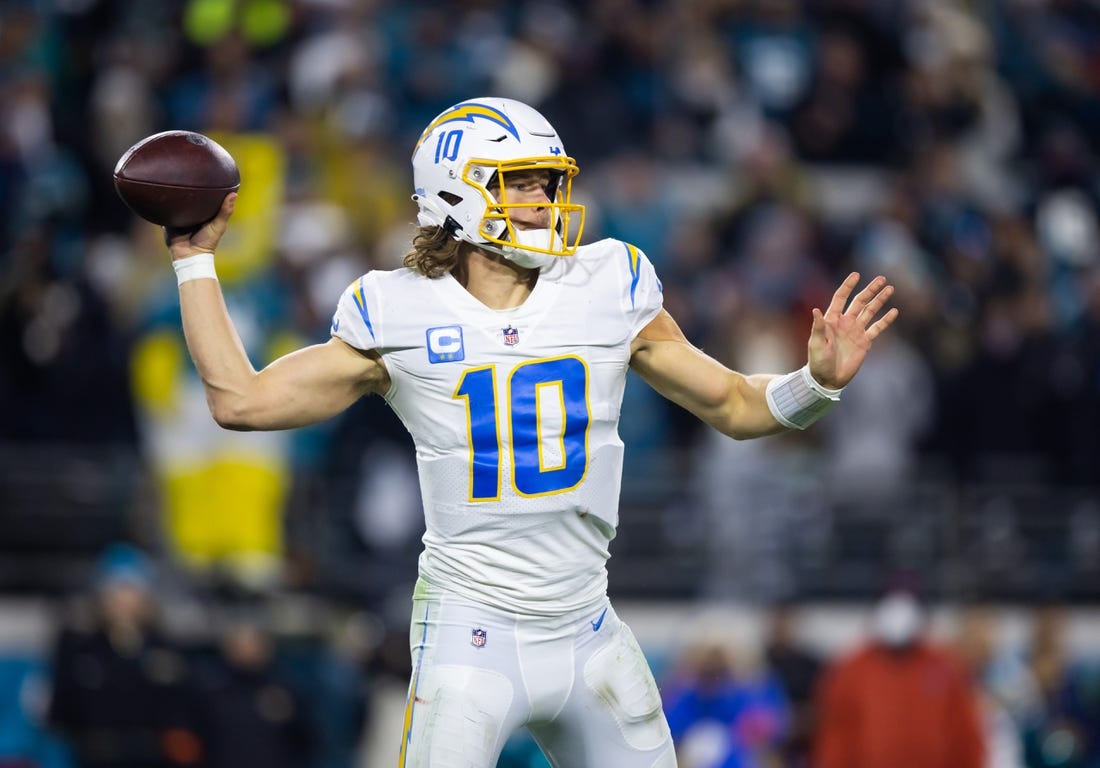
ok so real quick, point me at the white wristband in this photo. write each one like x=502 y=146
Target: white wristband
x=796 y=400
x=194 y=268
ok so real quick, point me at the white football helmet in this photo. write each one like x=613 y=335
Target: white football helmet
x=466 y=150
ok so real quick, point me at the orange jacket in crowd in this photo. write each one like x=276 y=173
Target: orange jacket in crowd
x=909 y=708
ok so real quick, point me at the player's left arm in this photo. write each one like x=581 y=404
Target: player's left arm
x=737 y=404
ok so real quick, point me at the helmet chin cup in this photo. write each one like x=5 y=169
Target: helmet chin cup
x=546 y=241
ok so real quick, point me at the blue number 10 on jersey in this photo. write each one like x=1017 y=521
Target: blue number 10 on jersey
x=547 y=407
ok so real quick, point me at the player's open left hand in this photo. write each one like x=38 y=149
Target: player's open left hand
x=841 y=337
x=188 y=242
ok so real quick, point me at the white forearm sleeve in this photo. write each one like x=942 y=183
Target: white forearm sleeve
x=796 y=400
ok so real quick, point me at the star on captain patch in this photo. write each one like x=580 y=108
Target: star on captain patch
x=478 y=638
x=511 y=335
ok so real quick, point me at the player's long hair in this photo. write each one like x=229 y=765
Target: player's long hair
x=434 y=253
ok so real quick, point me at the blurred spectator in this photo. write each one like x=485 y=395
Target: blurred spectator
x=635 y=202
x=223 y=493
x=774 y=43
x=899 y=700
x=1067 y=730
x=371 y=505
x=873 y=472
x=797 y=668
x=25 y=738
x=725 y=708
x=233 y=91
x=1047 y=51
x=251 y=717
x=58 y=338
x=1008 y=694
x=120 y=686
x=845 y=114
x=334 y=682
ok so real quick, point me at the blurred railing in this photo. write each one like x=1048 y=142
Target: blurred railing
x=993 y=541
x=60 y=506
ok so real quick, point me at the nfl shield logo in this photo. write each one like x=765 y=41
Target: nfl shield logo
x=511 y=336
x=477 y=638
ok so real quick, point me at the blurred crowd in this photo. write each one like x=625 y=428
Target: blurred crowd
x=905 y=694
x=142 y=672
x=756 y=150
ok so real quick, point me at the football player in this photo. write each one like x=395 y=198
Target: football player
x=503 y=345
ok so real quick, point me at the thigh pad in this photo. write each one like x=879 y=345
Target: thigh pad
x=619 y=676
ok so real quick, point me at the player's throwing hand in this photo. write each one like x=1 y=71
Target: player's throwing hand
x=189 y=242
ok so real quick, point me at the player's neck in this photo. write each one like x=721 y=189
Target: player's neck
x=494 y=281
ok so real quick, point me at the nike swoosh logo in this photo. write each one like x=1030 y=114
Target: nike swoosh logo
x=598 y=622
x=335 y=324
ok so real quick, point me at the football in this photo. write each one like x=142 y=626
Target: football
x=176 y=179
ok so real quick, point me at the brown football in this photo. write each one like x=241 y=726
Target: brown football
x=176 y=178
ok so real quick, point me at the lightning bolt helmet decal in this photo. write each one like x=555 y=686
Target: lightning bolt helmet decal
x=469 y=111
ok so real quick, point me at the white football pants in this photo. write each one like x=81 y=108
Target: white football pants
x=578 y=682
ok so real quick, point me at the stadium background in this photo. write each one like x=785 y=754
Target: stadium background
x=756 y=150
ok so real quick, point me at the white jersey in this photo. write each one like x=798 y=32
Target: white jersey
x=514 y=414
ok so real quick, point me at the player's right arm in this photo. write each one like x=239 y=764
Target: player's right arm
x=303 y=387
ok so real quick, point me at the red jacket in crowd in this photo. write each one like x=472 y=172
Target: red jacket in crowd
x=913 y=707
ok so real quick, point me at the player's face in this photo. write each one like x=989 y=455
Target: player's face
x=528 y=188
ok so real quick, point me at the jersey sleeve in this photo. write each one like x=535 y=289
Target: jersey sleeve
x=644 y=297
x=357 y=314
